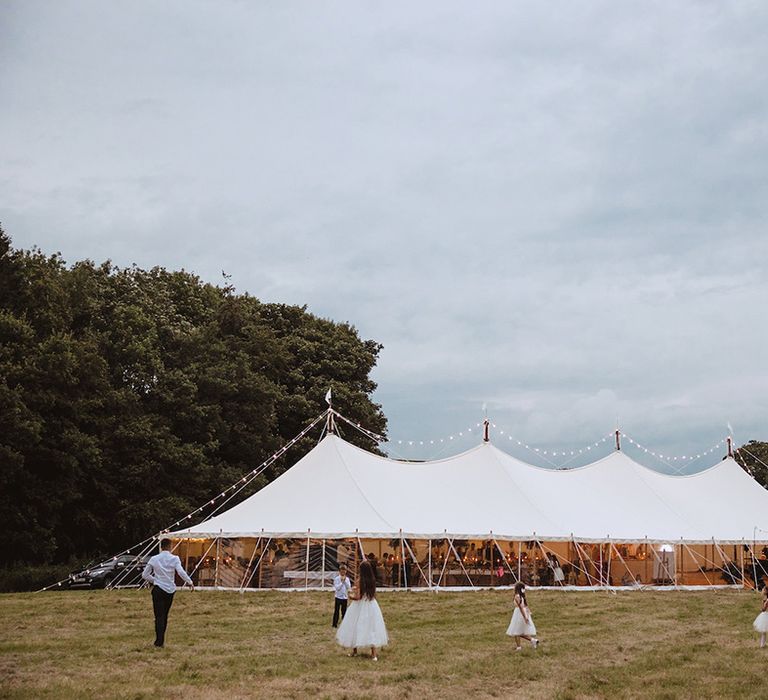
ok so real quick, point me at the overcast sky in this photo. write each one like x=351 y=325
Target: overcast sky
x=558 y=210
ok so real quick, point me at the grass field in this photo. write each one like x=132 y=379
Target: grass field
x=448 y=645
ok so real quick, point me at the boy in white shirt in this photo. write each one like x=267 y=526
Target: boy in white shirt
x=341 y=587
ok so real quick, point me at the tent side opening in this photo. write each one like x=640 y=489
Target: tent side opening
x=248 y=563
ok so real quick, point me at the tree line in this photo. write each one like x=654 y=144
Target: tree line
x=128 y=397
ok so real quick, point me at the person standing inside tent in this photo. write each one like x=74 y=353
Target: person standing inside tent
x=557 y=570
x=341 y=587
x=761 y=621
x=521 y=626
x=342 y=554
x=363 y=625
x=160 y=572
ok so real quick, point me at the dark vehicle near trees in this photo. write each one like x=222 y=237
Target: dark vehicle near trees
x=124 y=570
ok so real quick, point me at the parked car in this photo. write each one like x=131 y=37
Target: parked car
x=124 y=570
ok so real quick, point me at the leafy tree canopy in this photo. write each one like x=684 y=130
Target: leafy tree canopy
x=753 y=456
x=128 y=397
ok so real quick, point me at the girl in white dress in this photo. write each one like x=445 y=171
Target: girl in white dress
x=363 y=625
x=761 y=621
x=521 y=626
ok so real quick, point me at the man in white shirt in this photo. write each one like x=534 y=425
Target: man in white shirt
x=161 y=571
x=341 y=586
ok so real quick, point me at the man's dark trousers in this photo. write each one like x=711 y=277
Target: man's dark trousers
x=161 y=604
x=340 y=605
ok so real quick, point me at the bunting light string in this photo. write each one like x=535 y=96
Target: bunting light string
x=437 y=441
x=570 y=454
x=755 y=457
x=232 y=490
x=668 y=459
x=368 y=433
x=245 y=480
x=477 y=430
x=743 y=463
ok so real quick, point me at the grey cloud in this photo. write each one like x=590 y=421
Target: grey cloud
x=554 y=209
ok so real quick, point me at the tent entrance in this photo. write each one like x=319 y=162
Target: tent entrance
x=311 y=563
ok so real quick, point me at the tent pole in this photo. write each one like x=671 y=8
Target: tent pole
x=202 y=559
x=306 y=565
x=610 y=552
x=754 y=563
x=429 y=561
x=578 y=556
x=545 y=553
x=683 y=577
x=741 y=560
x=445 y=563
x=674 y=578
x=322 y=580
x=264 y=550
x=503 y=558
x=414 y=559
x=602 y=580
x=216 y=569
x=582 y=559
x=664 y=566
x=519 y=560
x=248 y=568
x=490 y=539
x=658 y=558
x=357 y=554
x=622 y=560
x=403 y=568
x=723 y=557
x=461 y=563
x=696 y=561
x=647 y=580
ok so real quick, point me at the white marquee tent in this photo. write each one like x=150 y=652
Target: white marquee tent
x=338 y=490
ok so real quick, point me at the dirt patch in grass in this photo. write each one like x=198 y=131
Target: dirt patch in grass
x=448 y=645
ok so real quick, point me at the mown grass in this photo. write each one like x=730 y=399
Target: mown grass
x=447 y=645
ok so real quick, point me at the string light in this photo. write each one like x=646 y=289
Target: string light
x=433 y=441
x=243 y=483
x=755 y=457
x=674 y=458
x=570 y=454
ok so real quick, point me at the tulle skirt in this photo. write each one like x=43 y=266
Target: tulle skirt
x=761 y=623
x=518 y=627
x=362 y=626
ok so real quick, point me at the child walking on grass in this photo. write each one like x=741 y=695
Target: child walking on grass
x=363 y=625
x=521 y=626
x=761 y=621
x=341 y=588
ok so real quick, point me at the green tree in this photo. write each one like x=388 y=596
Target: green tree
x=753 y=456
x=129 y=397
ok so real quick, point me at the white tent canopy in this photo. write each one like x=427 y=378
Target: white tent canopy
x=338 y=490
